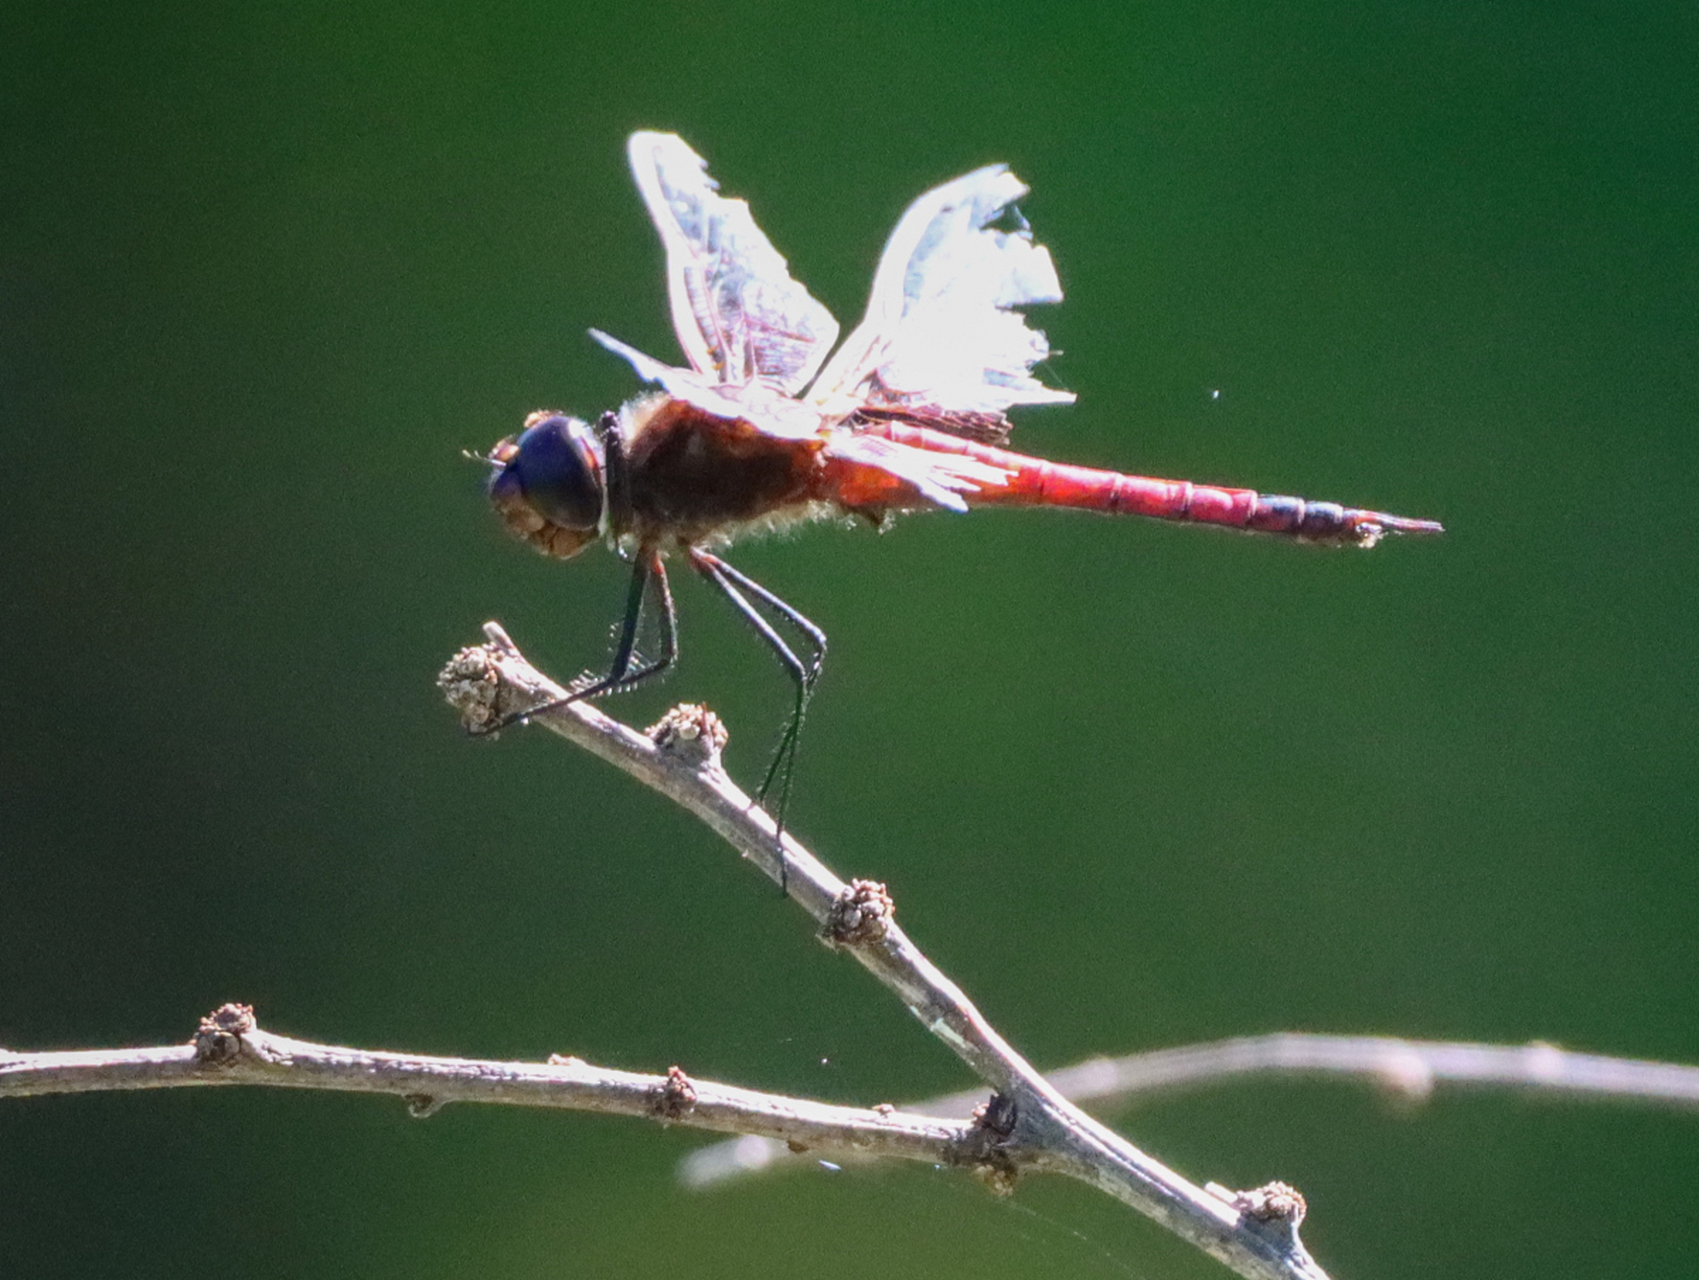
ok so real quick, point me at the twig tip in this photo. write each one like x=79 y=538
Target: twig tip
x=471 y=684
x=497 y=635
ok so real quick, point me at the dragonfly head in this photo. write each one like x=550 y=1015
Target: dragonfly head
x=549 y=483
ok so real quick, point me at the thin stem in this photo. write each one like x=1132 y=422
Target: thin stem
x=239 y=1053
x=1037 y=1128
x=1409 y=1070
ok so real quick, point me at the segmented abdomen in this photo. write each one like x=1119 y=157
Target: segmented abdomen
x=1035 y=482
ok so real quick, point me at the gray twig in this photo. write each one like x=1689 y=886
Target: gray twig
x=230 y=1049
x=1409 y=1071
x=1028 y=1125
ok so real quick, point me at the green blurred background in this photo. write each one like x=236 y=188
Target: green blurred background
x=266 y=270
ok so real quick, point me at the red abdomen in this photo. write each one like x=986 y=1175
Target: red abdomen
x=1036 y=482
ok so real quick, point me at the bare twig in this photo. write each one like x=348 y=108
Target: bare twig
x=1028 y=1124
x=1410 y=1070
x=230 y=1049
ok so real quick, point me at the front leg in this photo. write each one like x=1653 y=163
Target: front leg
x=648 y=572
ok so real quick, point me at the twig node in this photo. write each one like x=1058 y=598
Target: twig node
x=862 y=913
x=1274 y=1210
x=218 y=1040
x=997 y=1174
x=691 y=734
x=987 y=1151
x=677 y=1097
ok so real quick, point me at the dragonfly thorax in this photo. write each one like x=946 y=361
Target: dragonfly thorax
x=549 y=486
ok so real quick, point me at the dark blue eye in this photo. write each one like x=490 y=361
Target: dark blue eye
x=557 y=468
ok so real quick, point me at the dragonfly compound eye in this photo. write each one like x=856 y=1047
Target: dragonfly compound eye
x=555 y=469
x=547 y=485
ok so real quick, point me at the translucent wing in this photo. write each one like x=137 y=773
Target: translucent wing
x=738 y=314
x=757 y=402
x=875 y=472
x=940 y=328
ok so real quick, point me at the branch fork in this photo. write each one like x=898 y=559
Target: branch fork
x=1028 y=1124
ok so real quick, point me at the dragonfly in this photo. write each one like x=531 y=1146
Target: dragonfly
x=761 y=430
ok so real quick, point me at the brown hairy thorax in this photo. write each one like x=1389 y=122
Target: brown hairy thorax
x=695 y=477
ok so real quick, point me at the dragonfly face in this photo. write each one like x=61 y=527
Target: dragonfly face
x=550 y=485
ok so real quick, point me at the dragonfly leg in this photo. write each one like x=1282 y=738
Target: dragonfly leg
x=803 y=673
x=648 y=575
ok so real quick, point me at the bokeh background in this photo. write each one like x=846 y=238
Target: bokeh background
x=266 y=270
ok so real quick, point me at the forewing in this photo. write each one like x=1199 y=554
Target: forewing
x=755 y=402
x=738 y=314
x=941 y=329
x=875 y=472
